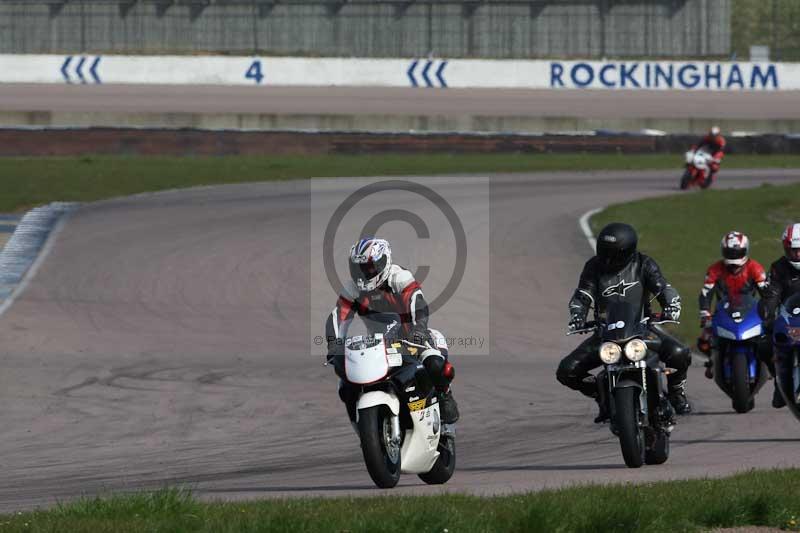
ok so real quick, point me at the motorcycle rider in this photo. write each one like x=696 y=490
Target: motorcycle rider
x=733 y=277
x=379 y=286
x=784 y=281
x=714 y=143
x=618 y=270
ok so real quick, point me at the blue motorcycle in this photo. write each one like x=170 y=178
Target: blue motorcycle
x=736 y=330
x=786 y=341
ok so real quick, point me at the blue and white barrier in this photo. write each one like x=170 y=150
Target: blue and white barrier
x=27 y=243
x=422 y=73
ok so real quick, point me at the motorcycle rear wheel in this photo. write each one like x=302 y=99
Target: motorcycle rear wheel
x=372 y=427
x=658 y=452
x=445 y=465
x=631 y=436
x=740 y=386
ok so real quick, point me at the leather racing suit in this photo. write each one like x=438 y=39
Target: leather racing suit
x=400 y=295
x=733 y=285
x=639 y=279
x=715 y=144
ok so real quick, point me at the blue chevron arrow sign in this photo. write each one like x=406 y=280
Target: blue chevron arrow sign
x=79 y=74
x=425 y=71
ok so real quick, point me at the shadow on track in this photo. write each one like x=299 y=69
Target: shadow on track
x=309 y=488
x=539 y=468
x=733 y=441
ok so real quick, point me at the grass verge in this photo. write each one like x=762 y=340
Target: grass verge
x=683 y=233
x=25 y=182
x=764 y=498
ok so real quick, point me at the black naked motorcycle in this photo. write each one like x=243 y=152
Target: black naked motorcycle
x=632 y=385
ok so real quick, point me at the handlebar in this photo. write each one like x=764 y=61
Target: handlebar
x=589 y=327
x=414 y=345
x=593 y=325
x=404 y=341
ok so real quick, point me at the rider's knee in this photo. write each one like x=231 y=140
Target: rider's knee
x=434 y=362
x=568 y=373
x=347 y=391
x=439 y=342
x=677 y=355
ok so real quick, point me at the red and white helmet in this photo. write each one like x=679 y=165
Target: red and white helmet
x=370 y=262
x=791 y=244
x=735 y=248
x=714 y=131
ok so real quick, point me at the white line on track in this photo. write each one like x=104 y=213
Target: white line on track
x=587 y=231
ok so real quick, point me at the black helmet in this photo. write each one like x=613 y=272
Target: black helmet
x=616 y=246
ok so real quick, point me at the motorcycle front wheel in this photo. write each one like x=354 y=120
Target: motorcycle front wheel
x=740 y=386
x=686 y=179
x=631 y=436
x=381 y=456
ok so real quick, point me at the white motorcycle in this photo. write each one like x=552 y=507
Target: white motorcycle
x=397 y=414
x=698 y=169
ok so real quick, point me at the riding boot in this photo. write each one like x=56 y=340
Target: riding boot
x=602 y=412
x=448 y=406
x=709 y=373
x=778 y=400
x=348 y=393
x=783 y=381
x=677 y=397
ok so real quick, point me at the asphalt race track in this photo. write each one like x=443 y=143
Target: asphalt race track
x=619 y=104
x=165 y=340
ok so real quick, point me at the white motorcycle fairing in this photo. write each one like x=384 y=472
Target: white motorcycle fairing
x=699 y=159
x=378 y=397
x=420 y=444
x=369 y=360
x=365 y=359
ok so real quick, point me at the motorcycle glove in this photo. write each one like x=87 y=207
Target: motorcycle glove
x=671 y=312
x=576 y=322
x=705 y=318
x=419 y=334
x=335 y=348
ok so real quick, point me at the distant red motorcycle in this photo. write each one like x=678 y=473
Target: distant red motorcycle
x=698 y=170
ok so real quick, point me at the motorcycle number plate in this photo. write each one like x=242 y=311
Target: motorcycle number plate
x=395 y=359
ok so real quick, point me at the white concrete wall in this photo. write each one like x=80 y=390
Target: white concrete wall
x=457 y=73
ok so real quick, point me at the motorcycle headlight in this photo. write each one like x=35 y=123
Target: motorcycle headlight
x=610 y=352
x=636 y=350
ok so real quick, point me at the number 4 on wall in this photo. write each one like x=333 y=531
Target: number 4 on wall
x=254 y=72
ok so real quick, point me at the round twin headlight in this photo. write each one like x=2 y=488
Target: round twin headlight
x=636 y=350
x=610 y=352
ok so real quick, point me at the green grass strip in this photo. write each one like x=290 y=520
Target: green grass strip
x=25 y=182
x=763 y=498
x=683 y=233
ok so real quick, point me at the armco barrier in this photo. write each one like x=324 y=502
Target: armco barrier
x=192 y=142
x=422 y=73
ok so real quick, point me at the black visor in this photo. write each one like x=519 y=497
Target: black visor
x=613 y=259
x=367 y=271
x=733 y=253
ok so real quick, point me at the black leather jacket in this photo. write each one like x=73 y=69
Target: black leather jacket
x=635 y=283
x=783 y=281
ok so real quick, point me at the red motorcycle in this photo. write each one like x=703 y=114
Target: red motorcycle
x=698 y=170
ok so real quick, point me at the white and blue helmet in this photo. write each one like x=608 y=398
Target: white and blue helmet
x=370 y=262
